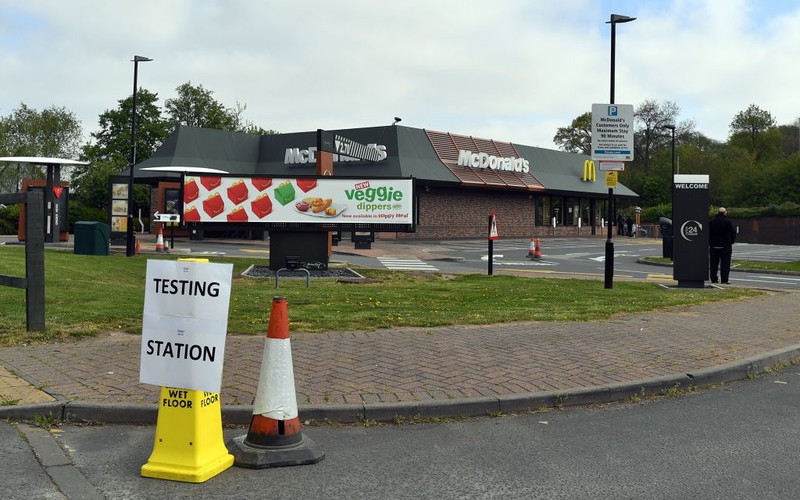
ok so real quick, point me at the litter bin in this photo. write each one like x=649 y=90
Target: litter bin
x=666 y=237
x=92 y=238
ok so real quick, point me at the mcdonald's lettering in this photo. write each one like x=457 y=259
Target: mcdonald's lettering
x=589 y=171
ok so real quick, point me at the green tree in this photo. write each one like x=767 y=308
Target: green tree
x=577 y=138
x=110 y=149
x=756 y=130
x=195 y=107
x=52 y=132
x=650 y=135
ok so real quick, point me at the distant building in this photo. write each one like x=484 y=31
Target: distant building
x=459 y=180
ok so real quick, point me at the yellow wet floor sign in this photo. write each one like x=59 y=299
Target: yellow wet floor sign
x=189 y=445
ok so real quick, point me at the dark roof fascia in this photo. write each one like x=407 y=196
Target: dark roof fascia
x=560 y=171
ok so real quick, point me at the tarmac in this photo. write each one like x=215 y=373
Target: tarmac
x=454 y=371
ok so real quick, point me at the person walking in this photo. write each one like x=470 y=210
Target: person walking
x=620 y=225
x=629 y=224
x=721 y=236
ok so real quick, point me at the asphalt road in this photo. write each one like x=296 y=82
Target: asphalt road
x=734 y=441
x=580 y=257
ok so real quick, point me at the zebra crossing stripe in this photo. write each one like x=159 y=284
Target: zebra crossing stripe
x=405 y=264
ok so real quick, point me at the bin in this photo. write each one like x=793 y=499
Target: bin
x=666 y=237
x=92 y=238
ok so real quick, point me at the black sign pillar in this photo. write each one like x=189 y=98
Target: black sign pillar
x=690 y=205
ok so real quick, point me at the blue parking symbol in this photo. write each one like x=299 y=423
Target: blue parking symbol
x=612 y=111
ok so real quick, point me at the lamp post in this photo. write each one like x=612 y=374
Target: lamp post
x=130 y=247
x=609 y=269
x=672 y=179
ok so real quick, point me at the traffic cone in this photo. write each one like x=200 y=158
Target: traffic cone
x=537 y=252
x=532 y=248
x=138 y=246
x=275 y=437
x=160 y=241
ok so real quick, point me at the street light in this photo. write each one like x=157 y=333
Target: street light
x=130 y=248
x=672 y=180
x=609 y=269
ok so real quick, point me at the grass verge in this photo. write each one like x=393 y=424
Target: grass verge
x=86 y=295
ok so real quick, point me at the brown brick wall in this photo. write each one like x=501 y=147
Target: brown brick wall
x=464 y=213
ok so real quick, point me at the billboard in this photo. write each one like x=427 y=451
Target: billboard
x=319 y=200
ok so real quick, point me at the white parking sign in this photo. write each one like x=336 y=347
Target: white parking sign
x=612 y=132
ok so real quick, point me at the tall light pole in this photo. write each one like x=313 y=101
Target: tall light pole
x=672 y=179
x=130 y=247
x=609 y=269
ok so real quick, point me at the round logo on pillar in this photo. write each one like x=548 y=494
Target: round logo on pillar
x=691 y=229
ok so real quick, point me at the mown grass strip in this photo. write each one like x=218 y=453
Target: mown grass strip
x=86 y=295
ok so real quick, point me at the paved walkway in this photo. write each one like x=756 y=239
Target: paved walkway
x=459 y=369
x=452 y=364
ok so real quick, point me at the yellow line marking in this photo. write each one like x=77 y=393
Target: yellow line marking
x=253 y=251
x=660 y=277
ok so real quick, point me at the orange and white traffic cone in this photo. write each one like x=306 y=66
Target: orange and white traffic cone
x=275 y=437
x=138 y=246
x=532 y=248
x=537 y=251
x=160 y=241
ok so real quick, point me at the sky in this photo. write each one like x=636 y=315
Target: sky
x=508 y=70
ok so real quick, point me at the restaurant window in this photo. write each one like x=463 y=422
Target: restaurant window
x=542 y=210
x=558 y=210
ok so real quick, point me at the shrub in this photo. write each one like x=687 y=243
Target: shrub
x=80 y=212
x=9 y=219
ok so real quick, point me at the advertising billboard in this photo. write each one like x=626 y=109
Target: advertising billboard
x=320 y=200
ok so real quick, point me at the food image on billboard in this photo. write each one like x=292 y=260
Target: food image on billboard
x=289 y=200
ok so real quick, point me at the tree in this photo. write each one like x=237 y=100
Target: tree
x=650 y=134
x=109 y=154
x=754 y=128
x=195 y=107
x=577 y=138
x=52 y=132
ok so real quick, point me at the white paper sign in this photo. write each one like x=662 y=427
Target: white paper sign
x=184 y=324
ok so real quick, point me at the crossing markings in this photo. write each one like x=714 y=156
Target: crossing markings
x=406 y=264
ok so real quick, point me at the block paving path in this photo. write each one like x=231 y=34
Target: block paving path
x=433 y=364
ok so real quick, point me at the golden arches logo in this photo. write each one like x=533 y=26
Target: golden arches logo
x=589 y=171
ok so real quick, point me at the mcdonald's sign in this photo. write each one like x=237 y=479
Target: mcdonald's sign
x=589 y=171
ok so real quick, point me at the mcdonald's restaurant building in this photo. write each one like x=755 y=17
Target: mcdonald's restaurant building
x=458 y=180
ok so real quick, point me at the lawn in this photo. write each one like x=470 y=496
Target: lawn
x=86 y=295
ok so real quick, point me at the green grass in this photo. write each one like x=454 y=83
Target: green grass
x=745 y=265
x=86 y=295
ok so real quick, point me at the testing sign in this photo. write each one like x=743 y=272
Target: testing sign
x=184 y=324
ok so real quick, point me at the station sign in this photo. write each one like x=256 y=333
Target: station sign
x=612 y=132
x=184 y=324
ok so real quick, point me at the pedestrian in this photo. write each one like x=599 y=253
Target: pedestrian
x=629 y=223
x=620 y=225
x=721 y=235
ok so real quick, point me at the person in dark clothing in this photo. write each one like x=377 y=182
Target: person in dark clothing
x=629 y=223
x=721 y=235
x=620 y=225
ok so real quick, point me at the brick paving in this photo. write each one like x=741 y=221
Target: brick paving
x=432 y=364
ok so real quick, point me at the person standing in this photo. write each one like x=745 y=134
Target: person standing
x=721 y=235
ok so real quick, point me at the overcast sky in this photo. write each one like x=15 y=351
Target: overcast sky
x=509 y=70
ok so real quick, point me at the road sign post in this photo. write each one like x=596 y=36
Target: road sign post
x=612 y=141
